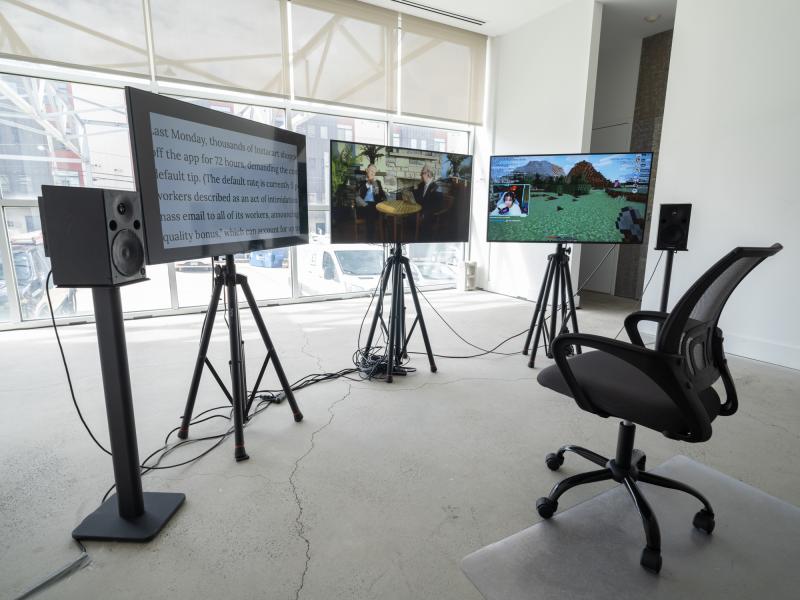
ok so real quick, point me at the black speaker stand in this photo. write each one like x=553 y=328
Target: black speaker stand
x=129 y=515
x=226 y=276
x=557 y=277
x=665 y=286
x=397 y=267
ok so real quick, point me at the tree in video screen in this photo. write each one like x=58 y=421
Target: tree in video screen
x=386 y=194
x=569 y=198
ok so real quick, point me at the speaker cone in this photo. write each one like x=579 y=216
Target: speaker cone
x=672 y=234
x=127 y=253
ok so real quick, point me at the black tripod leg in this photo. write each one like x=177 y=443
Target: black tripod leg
x=538 y=306
x=548 y=349
x=394 y=315
x=262 y=329
x=236 y=363
x=378 y=308
x=401 y=339
x=564 y=314
x=252 y=396
x=420 y=320
x=571 y=299
x=205 y=339
x=540 y=325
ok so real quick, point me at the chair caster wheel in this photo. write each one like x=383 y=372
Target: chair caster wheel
x=704 y=520
x=546 y=507
x=651 y=559
x=554 y=461
x=641 y=463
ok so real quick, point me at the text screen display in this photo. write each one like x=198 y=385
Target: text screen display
x=217 y=186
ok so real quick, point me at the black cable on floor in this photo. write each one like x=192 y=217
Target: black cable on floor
x=66 y=367
x=65 y=571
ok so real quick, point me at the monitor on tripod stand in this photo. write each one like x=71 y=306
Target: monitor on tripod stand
x=566 y=199
x=213 y=184
x=396 y=196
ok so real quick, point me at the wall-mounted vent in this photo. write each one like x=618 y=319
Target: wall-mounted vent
x=439 y=11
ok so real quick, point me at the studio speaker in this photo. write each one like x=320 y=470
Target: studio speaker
x=673 y=226
x=93 y=237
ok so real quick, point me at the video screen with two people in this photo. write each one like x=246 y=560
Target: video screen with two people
x=588 y=198
x=387 y=194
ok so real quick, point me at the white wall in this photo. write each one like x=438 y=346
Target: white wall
x=614 y=103
x=729 y=146
x=543 y=77
x=615 y=95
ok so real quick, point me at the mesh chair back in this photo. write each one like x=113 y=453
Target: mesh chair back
x=691 y=328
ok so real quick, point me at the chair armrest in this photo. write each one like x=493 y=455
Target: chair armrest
x=664 y=369
x=731 y=404
x=632 y=323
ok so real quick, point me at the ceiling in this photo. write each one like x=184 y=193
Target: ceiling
x=625 y=17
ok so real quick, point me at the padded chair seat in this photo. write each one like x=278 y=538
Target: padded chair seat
x=623 y=391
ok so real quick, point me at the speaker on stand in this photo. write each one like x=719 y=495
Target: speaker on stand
x=673 y=236
x=94 y=239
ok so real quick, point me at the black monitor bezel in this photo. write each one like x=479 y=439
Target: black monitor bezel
x=139 y=105
x=621 y=243
x=390 y=147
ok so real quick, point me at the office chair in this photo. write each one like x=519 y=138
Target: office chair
x=667 y=389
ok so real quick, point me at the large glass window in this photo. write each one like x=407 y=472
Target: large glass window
x=268 y=271
x=106 y=35
x=323 y=268
x=236 y=43
x=442 y=71
x=60 y=133
x=5 y=303
x=344 y=52
x=430 y=138
x=31 y=267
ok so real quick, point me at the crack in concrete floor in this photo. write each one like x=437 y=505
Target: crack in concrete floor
x=299 y=519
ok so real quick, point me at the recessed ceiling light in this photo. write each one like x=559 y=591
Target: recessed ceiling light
x=652 y=18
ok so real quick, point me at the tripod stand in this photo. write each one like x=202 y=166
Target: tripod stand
x=228 y=277
x=397 y=266
x=558 y=278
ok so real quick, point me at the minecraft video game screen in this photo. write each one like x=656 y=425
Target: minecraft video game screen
x=582 y=198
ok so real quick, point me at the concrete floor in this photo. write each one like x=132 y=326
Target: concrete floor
x=378 y=493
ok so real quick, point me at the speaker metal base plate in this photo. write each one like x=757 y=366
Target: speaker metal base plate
x=105 y=523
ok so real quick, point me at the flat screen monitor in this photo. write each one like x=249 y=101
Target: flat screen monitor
x=581 y=198
x=212 y=183
x=388 y=194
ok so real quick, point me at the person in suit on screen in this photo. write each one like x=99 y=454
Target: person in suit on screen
x=370 y=192
x=427 y=193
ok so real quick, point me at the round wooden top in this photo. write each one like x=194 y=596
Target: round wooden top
x=398 y=208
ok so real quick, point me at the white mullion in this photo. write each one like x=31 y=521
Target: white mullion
x=7 y=260
x=151 y=52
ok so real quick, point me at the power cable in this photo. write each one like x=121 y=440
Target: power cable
x=646 y=285
x=66 y=367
